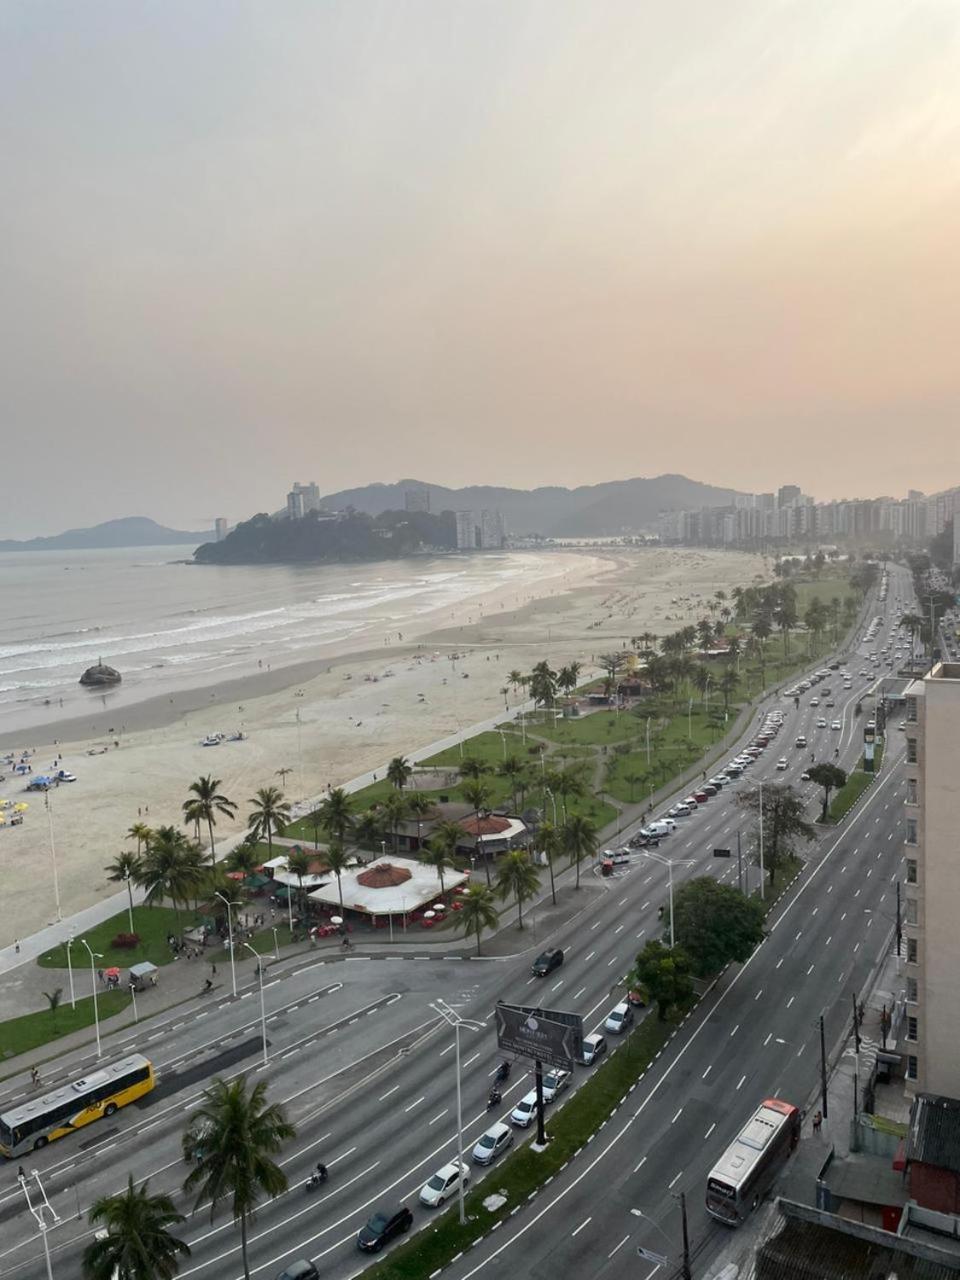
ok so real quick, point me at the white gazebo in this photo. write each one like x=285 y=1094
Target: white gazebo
x=391 y=886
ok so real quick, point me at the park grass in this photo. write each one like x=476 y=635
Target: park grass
x=152 y=924
x=523 y=1171
x=32 y=1030
x=825 y=588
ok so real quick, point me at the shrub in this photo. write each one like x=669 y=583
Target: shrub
x=126 y=941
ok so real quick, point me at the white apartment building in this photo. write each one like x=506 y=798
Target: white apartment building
x=466 y=531
x=931 y=918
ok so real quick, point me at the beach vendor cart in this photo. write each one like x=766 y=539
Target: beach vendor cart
x=143 y=975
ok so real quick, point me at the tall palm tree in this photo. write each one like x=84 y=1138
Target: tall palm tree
x=337 y=860
x=399 y=772
x=550 y=844
x=298 y=864
x=478 y=794
x=141 y=833
x=138 y=1244
x=243 y=1133
x=517 y=680
x=126 y=865
x=270 y=813
x=579 y=840
x=336 y=814
x=418 y=806
x=208 y=802
x=471 y=767
x=728 y=685
x=478 y=911
x=513 y=769
x=395 y=810
x=518 y=878
x=193 y=816
x=169 y=868
x=441 y=847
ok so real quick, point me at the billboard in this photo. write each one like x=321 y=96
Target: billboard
x=551 y=1036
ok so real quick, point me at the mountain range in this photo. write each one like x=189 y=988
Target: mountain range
x=613 y=507
x=130 y=531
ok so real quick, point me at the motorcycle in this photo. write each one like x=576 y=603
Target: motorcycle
x=316 y=1179
x=494 y=1099
x=503 y=1072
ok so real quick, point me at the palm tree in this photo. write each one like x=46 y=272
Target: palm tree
x=478 y=795
x=395 y=810
x=298 y=864
x=513 y=769
x=270 y=814
x=441 y=847
x=579 y=839
x=53 y=999
x=478 y=911
x=517 y=679
x=242 y=858
x=518 y=878
x=337 y=860
x=728 y=685
x=138 y=1244
x=193 y=816
x=169 y=868
x=243 y=1133
x=548 y=838
x=336 y=813
x=141 y=833
x=207 y=802
x=399 y=772
x=126 y=865
x=418 y=806
x=472 y=768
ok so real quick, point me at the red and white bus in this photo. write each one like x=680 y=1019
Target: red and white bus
x=743 y=1173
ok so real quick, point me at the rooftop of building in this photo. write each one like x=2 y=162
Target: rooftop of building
x=945 y=671
x=934 y=1136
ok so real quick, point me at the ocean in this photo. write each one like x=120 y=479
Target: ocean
x=168 y=626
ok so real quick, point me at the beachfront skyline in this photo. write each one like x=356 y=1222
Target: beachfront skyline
x=516 y=244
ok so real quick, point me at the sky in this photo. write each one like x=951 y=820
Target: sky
x=513 y=242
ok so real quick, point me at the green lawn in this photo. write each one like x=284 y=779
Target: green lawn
x=826 y=588
x=31 y=1030
x=487 y=747
x=153 y=924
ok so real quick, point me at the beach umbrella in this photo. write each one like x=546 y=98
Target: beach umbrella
x=111 y=973
x=439 y=906
x=429 y=915
x=21 y=806
x=336 y=919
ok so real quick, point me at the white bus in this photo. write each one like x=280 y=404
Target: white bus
x=745 y=1170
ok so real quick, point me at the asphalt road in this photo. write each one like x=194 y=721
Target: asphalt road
x=366 y=1068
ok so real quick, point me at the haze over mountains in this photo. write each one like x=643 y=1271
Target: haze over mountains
x=616 y=506
x=129 y=531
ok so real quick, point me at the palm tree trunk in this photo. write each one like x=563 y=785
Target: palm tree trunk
x=553 y=887
x=578 y=873
x=519 y=910
x=478 y=937
x=340 y=893
x=243 y=1245
x=213 y=852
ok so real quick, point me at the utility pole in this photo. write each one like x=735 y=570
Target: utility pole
x=39 y=1212
x=856 y=1023
x=538 y=1076
x=685 y=1271
x=899 y=922
x=823 y=1069
x=739 y=865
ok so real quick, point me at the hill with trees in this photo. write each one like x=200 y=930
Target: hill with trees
x=317 y=538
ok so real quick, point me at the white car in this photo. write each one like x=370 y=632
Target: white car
x=619 y=1018
x=837 y=724
x=782 y=763
x=523 y=1113
x=444 y=1184
x=814 y=702
x=821 y=723
x=555 y=1083
x=680 y=810
x=497 y=1138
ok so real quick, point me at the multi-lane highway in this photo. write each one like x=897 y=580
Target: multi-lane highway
x=366 y=1068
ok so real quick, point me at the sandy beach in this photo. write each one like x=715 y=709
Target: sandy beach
x=336 y=716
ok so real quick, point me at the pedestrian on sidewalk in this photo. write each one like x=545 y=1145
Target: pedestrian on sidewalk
x=817 y=1122
x=16 y=947
x=34 y=1076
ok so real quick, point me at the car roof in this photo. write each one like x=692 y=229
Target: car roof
x=592 y=1039
x=622 y=1006
x=528 y=1100
x=446 y=1170
x=496 y=1130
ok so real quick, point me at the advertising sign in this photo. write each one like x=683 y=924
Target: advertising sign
x=553 y=1037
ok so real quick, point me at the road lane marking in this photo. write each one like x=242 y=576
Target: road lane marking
x=581 y=1226
x=383 y=1097
x=709 y=1131
x=414 y=1104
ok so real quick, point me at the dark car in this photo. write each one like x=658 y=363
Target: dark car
x=547 y=962
x=300 y=1270
x=382 y=1227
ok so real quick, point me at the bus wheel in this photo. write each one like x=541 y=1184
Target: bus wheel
x=110 y=1109
x=40 y=1144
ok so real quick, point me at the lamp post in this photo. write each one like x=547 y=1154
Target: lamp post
x=53 y=854
x=133 y=997
x=127 y=877
x=39 y=1213
x=73 y=999
x=760 y=789
x=233 y=965
x=263 y=1007
x=276 y=944
x=453 y=1018
x=669 y=863
x=685 y=1271
x=553 y=801
x=94 y=955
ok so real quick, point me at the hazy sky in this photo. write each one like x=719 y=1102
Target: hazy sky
x=500 y=241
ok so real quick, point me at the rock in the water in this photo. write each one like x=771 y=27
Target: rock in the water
x=100 y=675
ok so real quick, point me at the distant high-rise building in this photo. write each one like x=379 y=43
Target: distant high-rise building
x=301 y=499
x=787 y=493
x=466 y=531
x=491 y=530
x=416 y=498
x=220 y=528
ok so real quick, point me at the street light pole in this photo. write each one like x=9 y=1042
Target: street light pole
x=39 y=1214
x=453 y=1018
x=126 y=877
x=685 y=1272
x=762 y=893
x=669 y=864
x=263 y=1007
x=73 y=998
x=233 y=963
x=93 y=978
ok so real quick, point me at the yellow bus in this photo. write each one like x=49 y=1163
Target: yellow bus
x=32 y=1125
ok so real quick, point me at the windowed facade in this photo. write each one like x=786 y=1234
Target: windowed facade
x=911 y=871
x=910 y=832
x=911 y=951
x=911 y=751
x=913 y=1026
x=913 y=791
x=911 y=990
x=911 y=914
x=911 y=710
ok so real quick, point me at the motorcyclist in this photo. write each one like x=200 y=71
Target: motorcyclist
x=321 y=1171
x=495 y=1097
